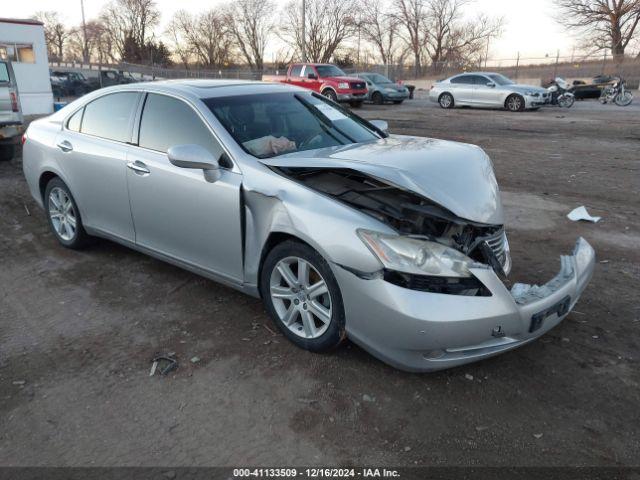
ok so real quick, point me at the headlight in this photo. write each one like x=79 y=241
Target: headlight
x=532 y=94
x=416 y=256
x=343 y=85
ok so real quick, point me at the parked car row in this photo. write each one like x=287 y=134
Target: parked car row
x=330 y=81
x=76 y=84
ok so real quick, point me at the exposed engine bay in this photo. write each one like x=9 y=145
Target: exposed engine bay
x=408 y=213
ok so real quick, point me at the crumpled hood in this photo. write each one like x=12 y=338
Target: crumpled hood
x=454 y=175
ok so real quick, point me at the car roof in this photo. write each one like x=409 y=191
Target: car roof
x=209 y=88
x=477 y=73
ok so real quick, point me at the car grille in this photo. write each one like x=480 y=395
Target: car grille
x=357 y=85
x=500 y=248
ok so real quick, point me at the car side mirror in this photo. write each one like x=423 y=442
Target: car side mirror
x=312 y=76
x=380 y=125
x=491 y=84
x=197 y=157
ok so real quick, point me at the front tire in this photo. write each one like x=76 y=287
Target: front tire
x=63 y=215
x=377 y=98
x=330 y=94
x=622 y=100
x=446 y=100
x=515 y=103
x=303 y=297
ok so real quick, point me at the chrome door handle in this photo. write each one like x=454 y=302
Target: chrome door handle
x=65 y=146
x=138 y=167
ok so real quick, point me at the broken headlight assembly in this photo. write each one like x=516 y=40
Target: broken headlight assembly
x=420 y=264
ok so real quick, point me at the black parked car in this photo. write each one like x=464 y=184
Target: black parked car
x=69 y=84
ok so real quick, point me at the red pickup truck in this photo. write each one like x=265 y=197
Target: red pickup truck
x=326 y=79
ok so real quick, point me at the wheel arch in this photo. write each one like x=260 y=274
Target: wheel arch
x=328 y=86
x=45 y=178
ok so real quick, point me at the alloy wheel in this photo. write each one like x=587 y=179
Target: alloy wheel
x=62 y=214
x=445 y=101
x=300 y=297
x=514 y=103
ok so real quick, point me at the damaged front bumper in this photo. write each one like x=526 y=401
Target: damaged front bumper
x=420 y=331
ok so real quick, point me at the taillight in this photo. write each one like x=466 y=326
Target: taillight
x=14 y=102
x=24 y=138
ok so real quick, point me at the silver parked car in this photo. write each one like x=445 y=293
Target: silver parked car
x=485 y=89
x=395 y=242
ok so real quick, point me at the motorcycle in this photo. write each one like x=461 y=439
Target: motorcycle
x=560 y=94
x=616 y=93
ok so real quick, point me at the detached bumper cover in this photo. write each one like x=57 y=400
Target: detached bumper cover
x=419 y=331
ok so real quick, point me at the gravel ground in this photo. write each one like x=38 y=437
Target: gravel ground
x=78 y=330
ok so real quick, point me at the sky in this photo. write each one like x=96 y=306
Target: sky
x=530 y=26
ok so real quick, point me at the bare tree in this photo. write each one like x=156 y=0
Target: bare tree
x=380 y=28
x=251 y=22
x=174 y=32
x=413 y=16
x=328 y=24
x=205 y=37
x=608 y=24
x=130 y=23
x=55 y=33
x=450 y=39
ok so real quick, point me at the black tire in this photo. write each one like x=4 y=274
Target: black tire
x=446 y=100
x=515 y=103
x=330 y=94
x=377 y=98
x=398 y=102
x=355 y=104
x=335 y=334
x=81 y=238
x=7 y=152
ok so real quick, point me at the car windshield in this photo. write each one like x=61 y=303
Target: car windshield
x=377 y=78
x=501 y=79
x=329 y=71
x=268 y=125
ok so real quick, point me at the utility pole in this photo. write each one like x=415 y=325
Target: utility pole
x=304 y=32
x=85 y=50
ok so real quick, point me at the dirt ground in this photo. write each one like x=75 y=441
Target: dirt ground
x=78 y=330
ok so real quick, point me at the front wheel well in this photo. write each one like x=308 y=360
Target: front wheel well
x=274 y=239
x=45 y=178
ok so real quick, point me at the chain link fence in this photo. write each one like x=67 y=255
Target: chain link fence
x=539 y=69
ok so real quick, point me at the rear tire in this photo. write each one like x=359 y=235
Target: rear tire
x=330 y=94
x=312 y=318
x=63 y=215
x=7 y=152
x=377 y=98
x=446 y=100
x=515 y=103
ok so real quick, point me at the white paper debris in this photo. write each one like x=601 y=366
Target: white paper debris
x=581 y=213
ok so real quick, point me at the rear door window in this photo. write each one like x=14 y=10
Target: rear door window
x=167 y=122
x=110 y=116
x=75 y=121
x=296 y=70
x=463 y=79
x=4 y=73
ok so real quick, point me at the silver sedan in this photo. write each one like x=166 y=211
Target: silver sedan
x=489 y=90
x=343 y=230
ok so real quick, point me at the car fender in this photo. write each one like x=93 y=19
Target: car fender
x=279 y=205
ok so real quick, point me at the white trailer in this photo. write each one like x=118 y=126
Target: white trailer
x=22 y=42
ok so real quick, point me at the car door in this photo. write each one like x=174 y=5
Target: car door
x=462 y=87
x=485 y=95
x=181 y=212
x=310 y=83
x=92 y=153
x=295 y=75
